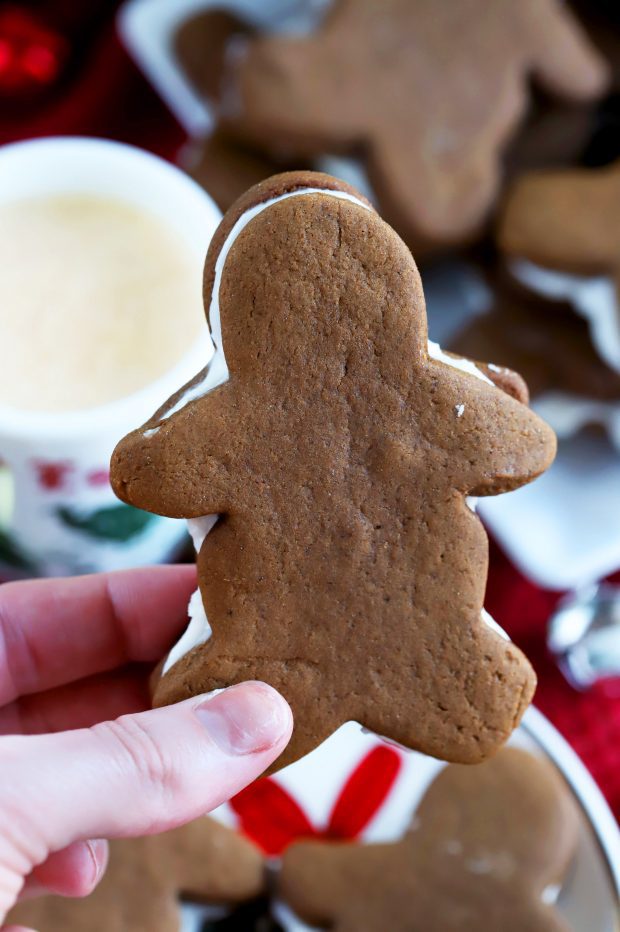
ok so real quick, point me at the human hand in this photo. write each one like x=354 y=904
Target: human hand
x=80 y=758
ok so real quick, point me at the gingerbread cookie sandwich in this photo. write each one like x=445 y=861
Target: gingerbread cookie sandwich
x=488 y=848
x=146 y=879
x=546 y=341
x=427 y=94
x=560 y=235
x=338 y=448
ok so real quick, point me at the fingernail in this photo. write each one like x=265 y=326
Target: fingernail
x=245 y=719
x=98 y=850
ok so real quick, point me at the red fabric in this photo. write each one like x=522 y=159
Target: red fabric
x=103 y=94
x=590 y=721
x=273 y=819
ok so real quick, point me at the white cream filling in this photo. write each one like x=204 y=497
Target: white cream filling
x=593 y=298
x=463 y=365
x=199 y=528
x=491 y=623
x=199 y=631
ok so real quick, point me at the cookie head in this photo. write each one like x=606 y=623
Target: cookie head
x=488 y=848
x=429 y=95
x=338 y=447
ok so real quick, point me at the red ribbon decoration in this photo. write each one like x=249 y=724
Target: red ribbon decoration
x=270 y=816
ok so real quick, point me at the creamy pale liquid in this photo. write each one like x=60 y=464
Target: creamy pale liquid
x=97 y=299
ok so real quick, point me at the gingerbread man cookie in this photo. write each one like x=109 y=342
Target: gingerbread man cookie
x=429 y=94
x=147 y=877
x=487 y=849
x=338 y=446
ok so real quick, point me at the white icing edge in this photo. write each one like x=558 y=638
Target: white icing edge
x=198 y=529
x=593 y=298
x=491 y=623
x=456 y=362
x=568 y=414
x=551 y=893
x=197 y=632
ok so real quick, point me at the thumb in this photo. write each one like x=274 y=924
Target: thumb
x=139 y=774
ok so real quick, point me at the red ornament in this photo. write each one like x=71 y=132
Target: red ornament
x=31 y=53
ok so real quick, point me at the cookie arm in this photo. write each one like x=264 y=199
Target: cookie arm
x=518 y=450
x=564 y=220
x=208 y=861
x=565 y=62
x=178 y=466
x=493 y=442
x=283 y=85
x=317 y=879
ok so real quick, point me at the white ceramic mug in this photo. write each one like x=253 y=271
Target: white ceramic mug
x=58 y=514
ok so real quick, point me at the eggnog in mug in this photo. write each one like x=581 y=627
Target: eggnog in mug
x=101 y=319
x=98 y=299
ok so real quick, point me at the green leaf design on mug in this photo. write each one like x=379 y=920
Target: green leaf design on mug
x=12 y=555
x=117 y=522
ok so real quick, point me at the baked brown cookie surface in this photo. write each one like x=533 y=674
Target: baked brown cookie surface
x=486 y=847
x=338 y=447
x=431 y=92
x=146 y=877
x=565 y=220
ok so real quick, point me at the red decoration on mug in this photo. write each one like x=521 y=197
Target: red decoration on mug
x=53 y=476
x=98 y=477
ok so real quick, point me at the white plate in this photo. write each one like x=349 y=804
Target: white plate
x=563 y=530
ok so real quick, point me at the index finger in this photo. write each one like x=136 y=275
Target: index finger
x=55 y=631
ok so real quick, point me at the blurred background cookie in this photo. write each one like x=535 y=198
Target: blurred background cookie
x=147 y=878
x=488 y=847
